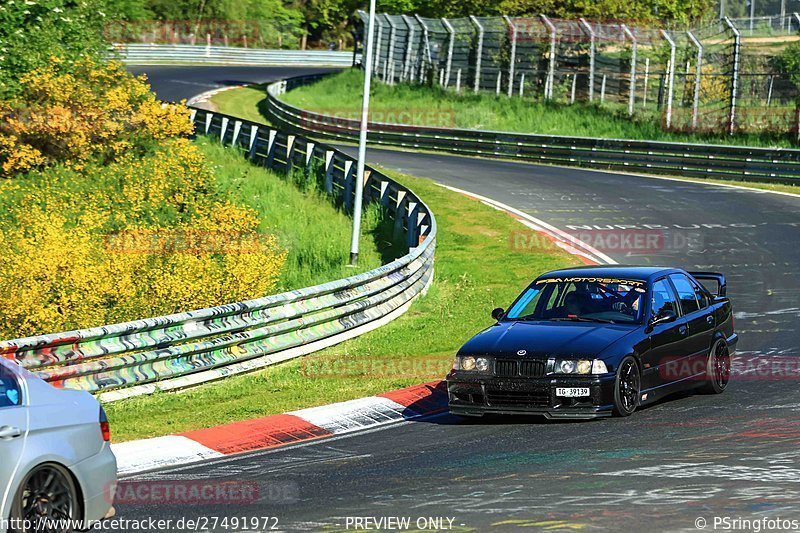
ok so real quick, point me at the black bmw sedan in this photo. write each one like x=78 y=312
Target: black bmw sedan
x=594 y=341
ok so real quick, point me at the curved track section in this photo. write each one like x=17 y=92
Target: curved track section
x=685 y=459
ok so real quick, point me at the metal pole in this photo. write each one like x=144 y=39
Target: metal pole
x=378 y=40
x=796 y=16
x=427 y=56
x=737 y=42
x=551 y=68
x=697 y=77
x=671 y=76
x=722 y=9
x=646 y=79
x=591 y=57
x=632 y=95
x=511 y=67
x=478 y=54
x=391 y=45
x=409 y=49
x=450 y=45
x=783 y=14
x=752 y=15
x=362 y=139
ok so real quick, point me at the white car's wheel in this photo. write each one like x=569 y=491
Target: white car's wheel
x=46 y=501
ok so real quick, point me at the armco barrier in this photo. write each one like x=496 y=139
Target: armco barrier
x=651 y=157
x=186 y=53
x=185 y=349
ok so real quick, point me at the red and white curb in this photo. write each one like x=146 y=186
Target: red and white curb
x=279 y=430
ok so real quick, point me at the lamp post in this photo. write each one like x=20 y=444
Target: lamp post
x=366 y=59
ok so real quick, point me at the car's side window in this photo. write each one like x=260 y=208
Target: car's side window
x=663 y=298
x=686 y=293
x=700 y=293
x=10 y=393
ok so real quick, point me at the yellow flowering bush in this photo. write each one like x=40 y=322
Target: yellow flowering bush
x=91 y=111
x=112 y=214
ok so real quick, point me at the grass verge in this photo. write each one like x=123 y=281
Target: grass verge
x=476 y=270
x=340 y=94
x=248 y=103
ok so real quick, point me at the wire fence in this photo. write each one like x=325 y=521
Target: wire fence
x=722 y=77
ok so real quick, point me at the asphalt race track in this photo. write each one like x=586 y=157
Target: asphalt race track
x=667 y=468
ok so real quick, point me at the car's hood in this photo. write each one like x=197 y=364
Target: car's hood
x=545 y=339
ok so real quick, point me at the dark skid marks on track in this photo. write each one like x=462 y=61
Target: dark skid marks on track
x=692 y=456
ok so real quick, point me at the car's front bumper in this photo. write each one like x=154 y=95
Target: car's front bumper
x=475 y=395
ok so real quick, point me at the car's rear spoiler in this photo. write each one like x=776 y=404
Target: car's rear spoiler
x=719 y=279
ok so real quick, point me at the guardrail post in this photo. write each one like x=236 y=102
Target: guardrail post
x=590 y=32
x=384 y=194
x=348 y=185
x=290 y=140
x=409 y=50
x=237 y=127
x=271 y=148
x=551 y=67
x=512 y=65
x=478 y=54
x=412 y=235
x=223 y=129
x=253 y=142
x=309 y=157
x=209 y=118
x=329 y=166
x=670 y=76
x=400 y=210
x=697 y=77
x=632 y=92
x=450 y=45
x=737 y=43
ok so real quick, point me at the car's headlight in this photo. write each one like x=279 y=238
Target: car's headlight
x=473 y=364
x=579 y=366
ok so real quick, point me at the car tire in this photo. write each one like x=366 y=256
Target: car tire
x=49 y=492
x=627 y=387
x=718 y=368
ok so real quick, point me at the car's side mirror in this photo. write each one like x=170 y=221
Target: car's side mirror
x=498 y=313
x=664 y=317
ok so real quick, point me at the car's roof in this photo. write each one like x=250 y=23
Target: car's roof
x=632 y=272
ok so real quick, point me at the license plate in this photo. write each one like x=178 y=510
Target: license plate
x=572 y=392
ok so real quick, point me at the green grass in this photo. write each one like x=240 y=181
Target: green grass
x=247 y=103
x=476 y=270
x=417 y=105
x=316 y=233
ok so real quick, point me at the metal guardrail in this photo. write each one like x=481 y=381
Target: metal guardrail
x=652 y=157
x=180 y=350
x=186 y=53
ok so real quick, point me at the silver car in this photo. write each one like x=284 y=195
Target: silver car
x=55 y=457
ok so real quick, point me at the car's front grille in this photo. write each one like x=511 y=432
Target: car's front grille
x=506 y=369
x=499 y=398
x=531 y=369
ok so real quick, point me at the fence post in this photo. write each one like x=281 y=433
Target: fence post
x=329 y=162
x=737 y=42
x=379 y=25
x=450 y=45
x=208 y=45
x=409 y=50
x=427 y=56
x=590 y=31
x=458 y=81
x=513 y=28
x=796 y=17
x=551 y=67
x=632 y=93
x=391 y=45
x=478 y=53
x=670 y=76
x=697 y=77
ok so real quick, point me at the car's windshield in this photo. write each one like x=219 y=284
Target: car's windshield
x=582 y=299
